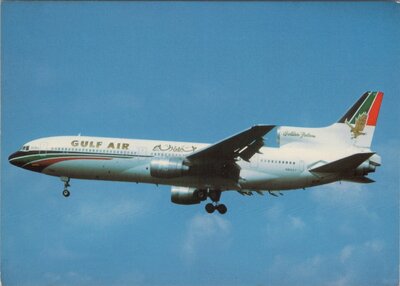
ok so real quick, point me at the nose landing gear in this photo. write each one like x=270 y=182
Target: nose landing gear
x=65 y=192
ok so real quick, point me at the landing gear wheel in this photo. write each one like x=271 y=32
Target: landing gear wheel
x=66 y=193
x=222 y=209
x=210 y=208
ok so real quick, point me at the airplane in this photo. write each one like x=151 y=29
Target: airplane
x=305 y=157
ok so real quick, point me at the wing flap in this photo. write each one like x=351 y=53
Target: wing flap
x=344 y=164
x=250 y=150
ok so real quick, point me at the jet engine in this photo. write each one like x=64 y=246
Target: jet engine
x=368 y=166
x=184 y=196
x=168 y=168
x=365 y=168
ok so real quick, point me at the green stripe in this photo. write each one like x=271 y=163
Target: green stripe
x=31 y=158
x=365 y=107
x=37 y=157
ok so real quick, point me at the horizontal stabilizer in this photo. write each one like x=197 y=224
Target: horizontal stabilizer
x=344 y=164
x=362 y=180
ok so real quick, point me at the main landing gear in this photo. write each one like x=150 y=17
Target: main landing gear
x=221 y=208
x=215 y=195
x=65 y=193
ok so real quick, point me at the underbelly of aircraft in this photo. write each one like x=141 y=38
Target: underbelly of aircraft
x=130 y=170
x=137 y=170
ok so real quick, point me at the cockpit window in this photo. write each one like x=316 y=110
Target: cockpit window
x=25 y=148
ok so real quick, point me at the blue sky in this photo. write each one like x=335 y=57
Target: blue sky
x=195 y=72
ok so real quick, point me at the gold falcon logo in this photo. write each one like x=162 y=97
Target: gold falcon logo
x=359 y=125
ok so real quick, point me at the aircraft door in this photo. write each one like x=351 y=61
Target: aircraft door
x=43 y=149
x=142 y=153
x=301 y=165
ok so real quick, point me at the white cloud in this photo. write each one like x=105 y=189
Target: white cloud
x=349 y=264
x=346 y=253
x=275 y=212
x=344 y=196
x=346 y=228
x=296 y=222
x=201 y=229
x=344 y=280
x=280 y=224
x=368 y=248
x=287 y=270
x=59 y=251
x=339 y=193
x=68 y=278
x=374 y=245
x=52 y=278
x=308 y=267
x=105 y=214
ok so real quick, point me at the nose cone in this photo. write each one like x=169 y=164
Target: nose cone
x=14 y=159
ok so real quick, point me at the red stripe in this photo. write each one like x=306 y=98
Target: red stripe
x=374 y=112
x=48 y=162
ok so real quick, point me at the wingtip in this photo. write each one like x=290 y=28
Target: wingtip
x=263 y=127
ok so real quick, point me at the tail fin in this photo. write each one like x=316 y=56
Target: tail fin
x=355 y=128
x=362 y=117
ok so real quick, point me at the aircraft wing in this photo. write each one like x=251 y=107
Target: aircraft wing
x=344 y=164
x=244 y=144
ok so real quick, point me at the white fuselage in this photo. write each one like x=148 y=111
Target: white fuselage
x=116 y=159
